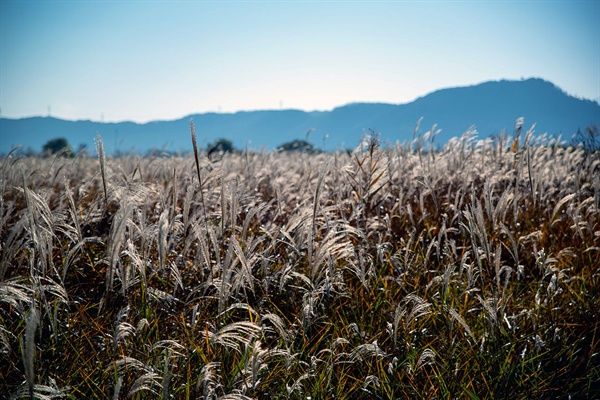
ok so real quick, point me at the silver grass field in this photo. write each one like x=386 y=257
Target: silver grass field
x=394 y=271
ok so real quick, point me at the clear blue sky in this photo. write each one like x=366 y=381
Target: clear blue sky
x=149 y=60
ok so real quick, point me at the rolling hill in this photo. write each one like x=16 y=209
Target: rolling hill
x=492 y=107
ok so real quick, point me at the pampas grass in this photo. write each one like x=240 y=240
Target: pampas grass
x=404 y=271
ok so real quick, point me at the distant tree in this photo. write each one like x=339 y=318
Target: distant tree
x=218 y=148
x=58 y=145
x=298 y=145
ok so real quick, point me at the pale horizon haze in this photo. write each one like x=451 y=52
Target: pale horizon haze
x=161 y=60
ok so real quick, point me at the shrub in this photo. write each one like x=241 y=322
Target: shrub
x=56 y=146
x=298 y=145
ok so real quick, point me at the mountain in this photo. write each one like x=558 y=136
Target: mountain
x=492 y=107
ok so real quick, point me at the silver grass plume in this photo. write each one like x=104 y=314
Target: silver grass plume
x=171 y=350
x=145 y=382
x=456 y=316
x=123 y=329
x=208 y=379
x=116 y=239
x=427 y=357
x=236 y=335
x=41 y=392
x=102 y=158
x=163 y=230
x=31 y=324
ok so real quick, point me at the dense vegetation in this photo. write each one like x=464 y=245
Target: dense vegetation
x=398 y=272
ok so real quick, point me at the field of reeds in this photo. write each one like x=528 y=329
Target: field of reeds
x=402 y=271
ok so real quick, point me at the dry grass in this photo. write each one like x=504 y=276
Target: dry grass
x=399 y=272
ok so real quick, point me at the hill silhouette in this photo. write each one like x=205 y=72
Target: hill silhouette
x=491 y=107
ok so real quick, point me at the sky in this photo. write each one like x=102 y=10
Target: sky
x=162 y=60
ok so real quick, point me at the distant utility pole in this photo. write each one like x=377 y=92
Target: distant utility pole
x=281 y=104
x=49 y=109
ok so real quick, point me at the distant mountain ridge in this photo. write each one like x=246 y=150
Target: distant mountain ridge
x=491 y=107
